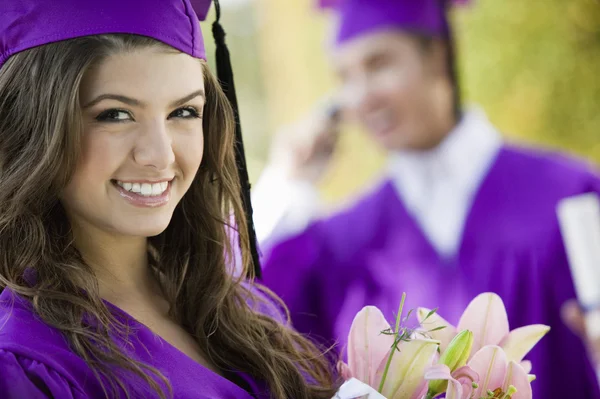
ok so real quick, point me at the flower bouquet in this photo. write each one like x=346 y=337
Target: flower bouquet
x=479 y=359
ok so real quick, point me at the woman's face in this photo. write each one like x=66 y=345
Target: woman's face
x=142 y=142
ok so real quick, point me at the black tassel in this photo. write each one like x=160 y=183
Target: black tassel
x=225 y=75
x=452 y=60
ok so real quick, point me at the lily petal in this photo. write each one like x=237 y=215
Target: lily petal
x=420 y=394
x=344 y=371
x=437 y=372
x=460 y=383
x=517 y=377
x=490 y=363
x=405 y=375
x=527 y=366
x=367 y=347
x=466 y=376
x=466 y=373
x=486 y=318
x=521 y=340
x=434 y=321
x=455 y=390
x=438 y=376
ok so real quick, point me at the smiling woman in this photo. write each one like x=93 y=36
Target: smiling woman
x=142 y=142
x=118 y=183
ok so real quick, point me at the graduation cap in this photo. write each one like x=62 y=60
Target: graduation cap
x=25 y=24
x=426 y=17
x=358 y=17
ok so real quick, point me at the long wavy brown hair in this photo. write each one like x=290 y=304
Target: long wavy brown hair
x=40 y=135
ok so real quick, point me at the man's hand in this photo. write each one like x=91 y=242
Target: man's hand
x=574 y=317
x=303 y=151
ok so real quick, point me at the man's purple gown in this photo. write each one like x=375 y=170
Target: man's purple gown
x=511 y=245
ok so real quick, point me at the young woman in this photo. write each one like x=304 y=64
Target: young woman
x=118 y=181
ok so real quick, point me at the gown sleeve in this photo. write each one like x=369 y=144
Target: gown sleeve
x=294 y=270
x=21 y=377
x=282 y=207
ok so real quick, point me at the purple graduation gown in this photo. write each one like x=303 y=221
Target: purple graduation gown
x=374 y=251
x=36 y=362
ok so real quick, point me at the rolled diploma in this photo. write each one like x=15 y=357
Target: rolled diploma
x=579 y=219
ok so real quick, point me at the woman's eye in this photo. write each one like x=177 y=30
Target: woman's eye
x=185 y=113
x=114 y=115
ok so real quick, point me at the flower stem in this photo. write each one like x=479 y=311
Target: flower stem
x=389 y=360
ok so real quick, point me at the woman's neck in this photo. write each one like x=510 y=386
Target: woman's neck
x=120 y=264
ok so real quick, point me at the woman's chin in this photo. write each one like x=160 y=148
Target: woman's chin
x=145 y=229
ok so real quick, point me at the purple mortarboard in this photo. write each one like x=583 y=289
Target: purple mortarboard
x=25 y=24
x=358 y=17
x=29 y=23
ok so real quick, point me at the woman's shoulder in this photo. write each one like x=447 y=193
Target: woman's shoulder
x=21 y=327
x=24 y=376
x=35 y=359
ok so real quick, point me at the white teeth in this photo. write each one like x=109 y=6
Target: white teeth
x=157 y=189
x=145 y=189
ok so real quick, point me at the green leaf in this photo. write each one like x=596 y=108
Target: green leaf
x=437 y=328
x=431 y=313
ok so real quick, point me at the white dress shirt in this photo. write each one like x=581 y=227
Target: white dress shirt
x=438 y=186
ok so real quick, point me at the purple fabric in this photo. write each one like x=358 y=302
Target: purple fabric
x=360 y=17
x=29 y=23
x=201 y=7
x=36 y=362
x=375 y=251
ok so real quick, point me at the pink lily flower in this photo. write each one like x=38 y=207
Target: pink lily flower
x=369 y=350
x=488 y=370
x=486 y=317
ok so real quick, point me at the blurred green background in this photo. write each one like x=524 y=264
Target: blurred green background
x=533 y=65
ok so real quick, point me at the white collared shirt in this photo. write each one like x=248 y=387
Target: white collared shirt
x=436 y=186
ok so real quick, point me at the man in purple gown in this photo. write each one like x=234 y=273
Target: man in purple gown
x=460 y=211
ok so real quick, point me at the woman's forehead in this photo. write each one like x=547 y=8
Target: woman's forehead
x=151 y=74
